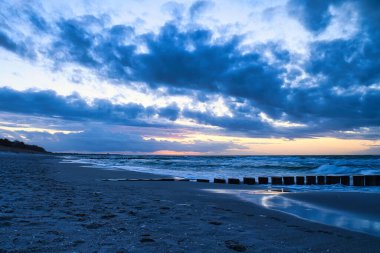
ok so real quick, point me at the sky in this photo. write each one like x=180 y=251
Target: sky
x=226 y=77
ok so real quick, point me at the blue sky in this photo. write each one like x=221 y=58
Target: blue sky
x=192 y=77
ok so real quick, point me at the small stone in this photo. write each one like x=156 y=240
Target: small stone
x=108 y=216
x=6 y=218
x=5 y=224
x=80 y=214
x=234 y=245
x=217 y=223
x=93 y=225
x=144 y=240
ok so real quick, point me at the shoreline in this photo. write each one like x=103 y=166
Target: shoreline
x=321 y=173
x=49 y=206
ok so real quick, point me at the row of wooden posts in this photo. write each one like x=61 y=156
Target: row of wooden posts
x=357 y=180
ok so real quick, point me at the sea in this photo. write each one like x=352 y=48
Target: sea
x=210 y=167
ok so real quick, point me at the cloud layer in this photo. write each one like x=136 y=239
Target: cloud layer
x=269 y=90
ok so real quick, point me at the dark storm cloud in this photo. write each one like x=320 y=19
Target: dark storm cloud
x=198 y=7
x=183 y=61
x=9 y=44
x=248 y=123
x=108 y=138
x=343 y=62
x=39 y=23
x=48 y=104
x=178 y=60
x=347 y=96
x=13 y=39
x=75 y=42
x=17 y=47
x=171 y=112
x=313 y=14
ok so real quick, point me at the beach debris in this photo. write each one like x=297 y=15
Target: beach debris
x=108 y=216
x=217 y=223
x=77 y=242
x=6 y=217
x=93 y=225
x=122 y=251
x=80 y=214
x=5 y=224
x=234 y=245
x=183 y=204
x=96 y=194
x=54 y=232
x=145 y=239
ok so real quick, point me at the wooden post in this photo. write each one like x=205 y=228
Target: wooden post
x=358 y=180
x=300 y=180
x=233 y=181
x=276 y=180
x=377 y=180
x=370 y=180
x=263 y=180
x=219 y=181
x=332 y=180
x=288 y=180
x=311 y=180
x=203 y=181
x=321 y=180
x=345 y=180
x=249 y=180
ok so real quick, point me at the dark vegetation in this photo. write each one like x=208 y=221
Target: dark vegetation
x=20 y=146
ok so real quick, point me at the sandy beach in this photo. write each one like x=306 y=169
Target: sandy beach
x=47 y=206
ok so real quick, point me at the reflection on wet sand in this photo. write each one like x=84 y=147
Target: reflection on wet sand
x=277 y=200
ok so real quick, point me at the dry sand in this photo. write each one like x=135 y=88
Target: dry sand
x=51 y=207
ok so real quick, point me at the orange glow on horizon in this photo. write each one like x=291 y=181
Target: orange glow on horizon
x=275 y=146
x=171 y=152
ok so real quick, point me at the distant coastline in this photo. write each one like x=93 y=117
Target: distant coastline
x=20 y=147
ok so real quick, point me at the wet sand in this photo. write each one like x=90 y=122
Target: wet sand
x=364 y=204
x=47 y=206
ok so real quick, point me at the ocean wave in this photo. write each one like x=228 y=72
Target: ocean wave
x=326 y=169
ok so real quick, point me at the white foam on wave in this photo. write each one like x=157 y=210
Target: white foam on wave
x=327 y=169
